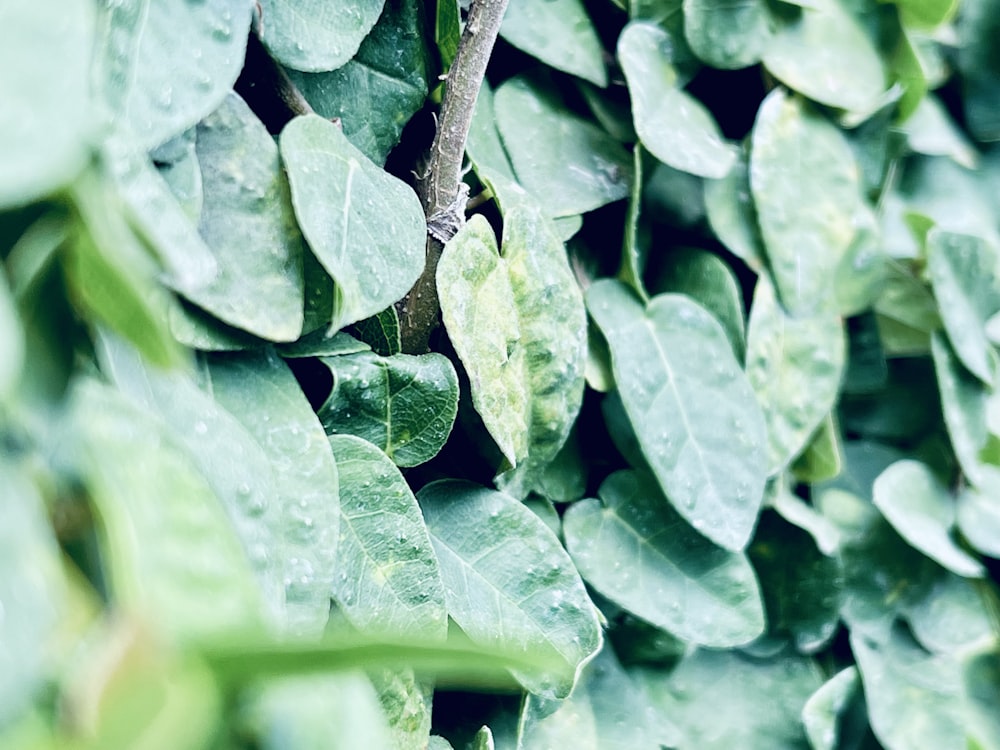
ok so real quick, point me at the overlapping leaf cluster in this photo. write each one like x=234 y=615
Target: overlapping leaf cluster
x=708 y=451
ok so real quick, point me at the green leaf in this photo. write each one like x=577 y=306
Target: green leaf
x=46 y=129
x=635 y=245
x=31 y=586
x=801 y=585
x=509 y=583
x=365 y=226
x=822 y=458
x=728 y=35
x=319 y=344
x=406 y=703
x=956 y=199
x=380 y=332
x=388 y=582
x=482 y=741
x=860 y=276
x=963 y=272
x=339 y=711
x=314 y=35
x=723 y=699
x=979 y=64
x=951 y=617
x=979 y=513
x=930 y=130
x=675 y=127
x=607 y=711
x=169 y=548
x=732 y=216
x=559 y=33
x=795 y=366
x=708 y=280
x=375 y=94
x=922 y=510
x=981 y=681
x=914 y=698
x=679 y=381
x=403 y=404
x=112 y=277
x=248 y=221
x=822 y=714
x=260 y=391
x=926 y=13
x=571 y=165
x=12 y=344
x=518 y=325
x=177 y=163
x=822 y=51
x=155 y=88
x=805 y=185
x=963 y=403
x=447 y=30
x=636 y=550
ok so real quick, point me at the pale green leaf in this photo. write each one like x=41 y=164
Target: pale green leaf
x=31 y=588
x=728 y=35
x=518 y=325
x=732 y=216
x=922 y=510
x=378 y=91
x=315 y=35
x=569 y=164
x=796 y=511
x=403 y=404
x=709 y=281
x=861 y=273
x=365 y=226
x=925 y=13
x=979 y=513
x=691 y=406
x=320 y=344
x=914 y=698
x=261 y=392
x=168 y=545
x=822 y=714
x=176 y=162
x=963 y=403
x=963 y=271
x=635 y=245
x=981 y=681
x=822 y=52
x=721 y=700
x=805 y=185
x=607 y=711
x=675 y=127
x=336 y=711
x=248 y=222
x=795 y=366
x=482 y=741
x=156 y=88
x=509 y=584
x=951 y=616
x=388 y=581
x=930 y=130
x=47 y=117
x=559 y=33
x=954 y=198
x=406 y=703
x=635 y=550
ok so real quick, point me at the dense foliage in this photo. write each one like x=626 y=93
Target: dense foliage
x=706 y=453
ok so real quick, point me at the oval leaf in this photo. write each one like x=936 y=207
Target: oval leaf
x=570 y=164
x=509 y=583
x=559 y=33
x=675 y=127
x=795 y=366
x=316 y=35
x=637 y=551
x=727 y=34
x=805 y=185
x=823 y=52
x=923 y=512
x=403 y=404
x=365 y=226
x=680 y=383
x=388 y=582
x=248 y=222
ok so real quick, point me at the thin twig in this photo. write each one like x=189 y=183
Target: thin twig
x=441 y=187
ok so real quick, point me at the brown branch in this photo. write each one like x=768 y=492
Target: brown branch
x=441 y=189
